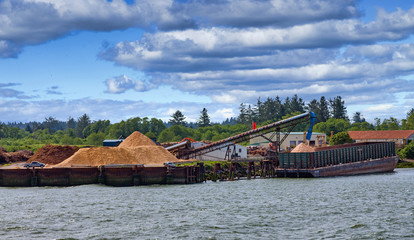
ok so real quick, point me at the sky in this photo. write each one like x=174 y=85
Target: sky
x=118 y=59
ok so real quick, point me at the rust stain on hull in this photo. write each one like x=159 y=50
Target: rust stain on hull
x=380 y=165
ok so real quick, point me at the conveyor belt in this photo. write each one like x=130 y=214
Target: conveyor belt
x=276 y=126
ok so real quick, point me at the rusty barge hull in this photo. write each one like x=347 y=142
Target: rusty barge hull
x=381 y=165
x=120 y=175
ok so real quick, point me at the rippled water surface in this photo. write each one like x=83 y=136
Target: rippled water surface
x=377 y=206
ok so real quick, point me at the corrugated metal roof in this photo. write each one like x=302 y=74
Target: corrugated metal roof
x=390 y=134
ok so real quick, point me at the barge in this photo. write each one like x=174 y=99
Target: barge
x=112 y=175
x=341 y=160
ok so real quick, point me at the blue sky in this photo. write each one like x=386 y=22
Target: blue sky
x=115 y=59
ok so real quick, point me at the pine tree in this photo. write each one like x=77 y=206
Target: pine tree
x=243 y=114
x=204 y=120
x=338 y=108
x=357 y=118
x=313 y=106
x=259 y=111
x=71 y=123
x=280 y=109
x=296 y=104
x=251 y=115
x=323 y=114
x=83 y=122
x=177 y=118
x=410 y=113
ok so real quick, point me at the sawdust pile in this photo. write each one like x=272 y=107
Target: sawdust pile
x=53 y=154
x=303 y=148
x=98 y=156
x=138 y=149
x=136 y=139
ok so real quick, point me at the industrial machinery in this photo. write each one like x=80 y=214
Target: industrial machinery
x=275 y=127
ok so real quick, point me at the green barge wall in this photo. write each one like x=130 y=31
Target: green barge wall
x=336 y=155
x=119 y=175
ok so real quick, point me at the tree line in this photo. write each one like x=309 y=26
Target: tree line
x=331 y=117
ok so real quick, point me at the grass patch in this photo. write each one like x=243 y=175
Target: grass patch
x=405 y=165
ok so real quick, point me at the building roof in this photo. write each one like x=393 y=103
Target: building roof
x=389 y=134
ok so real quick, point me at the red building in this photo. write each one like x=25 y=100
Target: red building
x=400 y=137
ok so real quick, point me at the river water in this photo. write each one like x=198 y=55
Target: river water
x=379 y=206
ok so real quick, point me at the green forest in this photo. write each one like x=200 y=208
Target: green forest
x=331 y=116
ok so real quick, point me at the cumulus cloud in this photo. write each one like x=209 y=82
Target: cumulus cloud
x=122 y=83
x=44 y=20
x=232 y=51
x=331 y=56
x=268 y=13
x=189 y=45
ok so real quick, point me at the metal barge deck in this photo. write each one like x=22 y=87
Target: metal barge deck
x=355 y=168
x=343 y=160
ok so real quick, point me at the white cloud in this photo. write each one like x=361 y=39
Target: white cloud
x=223 y=113
x=44 y=20
x=264 y=13
x=122 y=84
x=230 y=51
x=381 y=107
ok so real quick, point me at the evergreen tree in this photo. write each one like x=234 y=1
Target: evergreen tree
x=243 y=116
x=280 y=109
x=177 y=118
x=377 y=123
x=323 y=113
x=71 y=123
x=230 y=121
x=410 y=113
x=204 y=120
x=259 y=111
x=338 y=108
x=286 y=106
x=269 y=110
x=28 y=128
x=296 y=104
x=357 y=118
x=83 y=122
x=50 y=123
x=313 y=106
x=251 y=115
x=408 y=124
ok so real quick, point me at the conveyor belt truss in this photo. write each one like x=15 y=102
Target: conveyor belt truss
x=276 y=126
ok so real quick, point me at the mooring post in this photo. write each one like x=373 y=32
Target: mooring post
x=254 y=170
x=249 y=171
x=217 y=171
x=261 y=168
x=236 y=167
x=231 y=172
x=101 y=177
x=33 y=181
x=170 y=175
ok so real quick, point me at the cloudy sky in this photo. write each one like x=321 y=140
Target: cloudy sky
x=120 y=59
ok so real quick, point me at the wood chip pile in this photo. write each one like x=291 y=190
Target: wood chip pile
x=136 y=149
x=53 y=154
x=136 y=139
x=11 y=157
x=303 y=148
